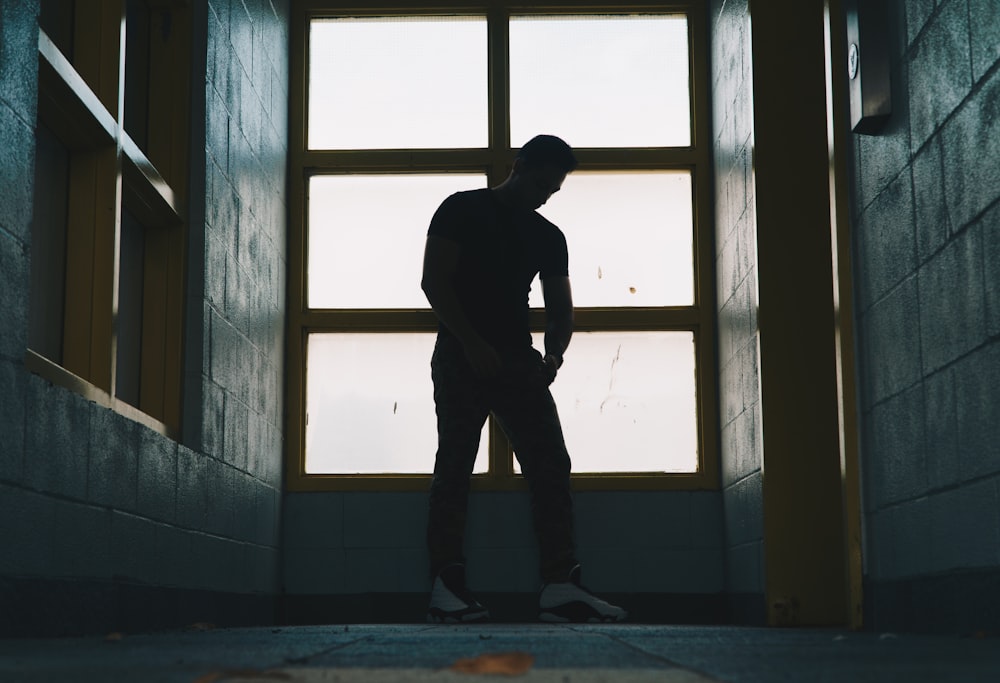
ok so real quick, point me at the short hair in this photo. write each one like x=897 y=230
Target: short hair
x=547 y=150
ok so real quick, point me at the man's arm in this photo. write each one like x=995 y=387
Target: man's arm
x=438 y=283
x=558 y=298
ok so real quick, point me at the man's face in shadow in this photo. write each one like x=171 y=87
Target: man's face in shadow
x=532 y=186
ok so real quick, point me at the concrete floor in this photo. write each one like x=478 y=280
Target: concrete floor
x=560 y=654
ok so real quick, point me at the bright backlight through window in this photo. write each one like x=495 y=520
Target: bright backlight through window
x=629 y=238
x=367 y=233
x=601 y=81
x=397 y=83
x=369 y=405
x=627 y=401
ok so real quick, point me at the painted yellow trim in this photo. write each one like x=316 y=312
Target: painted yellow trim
x=97 y=51
x=838 y=118
x=295 y=399
x=680 y=318
x=81 y=98
x=155 y=337
x=164 y=267
x=804 y=560
x=169 y=94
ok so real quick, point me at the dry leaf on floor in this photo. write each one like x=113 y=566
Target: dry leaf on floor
x=501 y=663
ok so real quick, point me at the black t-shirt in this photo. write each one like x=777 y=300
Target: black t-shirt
x=502 y=250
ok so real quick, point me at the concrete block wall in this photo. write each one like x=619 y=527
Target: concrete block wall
x=628 y=542
x=244 y=267
x=105 y=523
x=926 y=207
x=736 y=283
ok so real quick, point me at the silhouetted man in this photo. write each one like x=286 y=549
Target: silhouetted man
x=484 y=248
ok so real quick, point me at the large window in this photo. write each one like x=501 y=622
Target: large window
x=395 y=109
x=107 y=268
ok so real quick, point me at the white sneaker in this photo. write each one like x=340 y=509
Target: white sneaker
x=570 y=602
x=451 y=601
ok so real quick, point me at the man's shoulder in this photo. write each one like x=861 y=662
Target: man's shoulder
x=547 y=228
x=457 y=212
x=468 y=198
x=545 y=223
x=459 y=206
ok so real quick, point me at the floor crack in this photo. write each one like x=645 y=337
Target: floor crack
x=632 y=646
x=333 y=648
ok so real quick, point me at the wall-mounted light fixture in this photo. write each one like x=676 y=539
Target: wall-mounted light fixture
x=868 y=64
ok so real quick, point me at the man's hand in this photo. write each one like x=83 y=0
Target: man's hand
x=558 y=321
x=550 y=366
x=483 y=358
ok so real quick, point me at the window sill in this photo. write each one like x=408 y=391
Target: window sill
x=632 y=481
x=59 y=376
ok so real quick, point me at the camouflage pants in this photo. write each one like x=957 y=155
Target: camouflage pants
x=522 y=404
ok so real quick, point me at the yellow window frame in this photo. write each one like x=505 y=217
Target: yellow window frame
x=81 y=99
x=495 y=162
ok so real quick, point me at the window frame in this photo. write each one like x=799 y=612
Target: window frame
x=495 y=161
x=81 y=100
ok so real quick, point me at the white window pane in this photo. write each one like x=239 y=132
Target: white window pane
x=629 y=237
x=397 y=83
x=370 y=405
x=601 y=81
x=366 y=237
x=627 y=401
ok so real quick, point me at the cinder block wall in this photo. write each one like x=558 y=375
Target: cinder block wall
x=359 y=555
x=104 y=523
x=927 y=256
x=243 y=302
x=244 y=266
x=736 y=278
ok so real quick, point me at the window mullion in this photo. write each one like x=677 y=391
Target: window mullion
x=113 y=74
x=591 y=319
x=638 y=158
x=501 y=454
x=395 y=160
x=369 y=320
x=499 y=92
x=501 y=465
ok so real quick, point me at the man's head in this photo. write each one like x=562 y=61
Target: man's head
x=547 y=150
x=539 y=170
